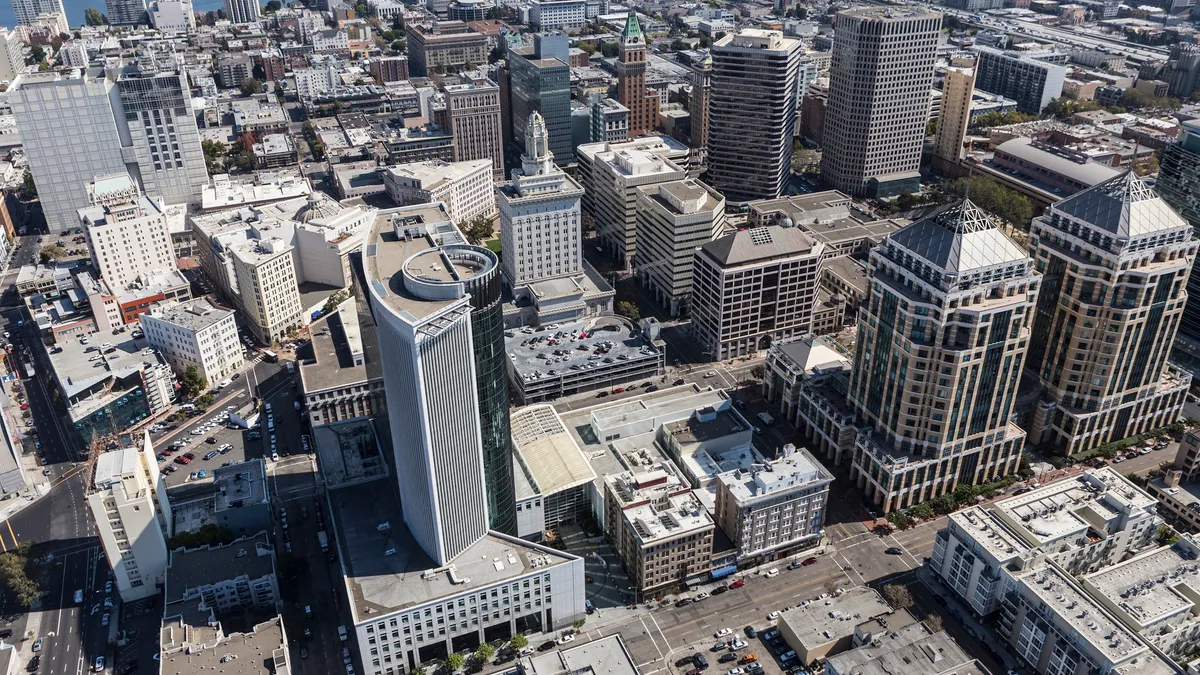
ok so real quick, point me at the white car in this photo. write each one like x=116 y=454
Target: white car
x=773 y=572
x=772 y=616
x=565 y=639
x=723 y=632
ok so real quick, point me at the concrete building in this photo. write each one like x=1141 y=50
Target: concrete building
x=444 y=48
x=237 y=498
x=195 y=334
x=605 y=655
x=130 y=508
x=335 y=381
x=699 y=104
x=126 y=12
x=540 y=230
x=879 y=83
x=1031 y=80
x=243 y=11
x=172 y=16
x=437 y=299
x=156 y=108
x=752 y=113
x=464 y=187
x=1082 y=523
x=631 y=79
x=540 y=81
x=26 y=12
x=775 y=507
x=1179 y=186
x=610 y=121
x=274 y=151
x=659 y=528
x=237 y=577
x=824 y=628
x=1052 y=168
x=127 y=233
x=673 y=220
x=265 y=272
x=1098 y=387
x=557 y=474
x=13 y=52
x=614 y=174
x=957 y=94
x=473 y=117
x=196 y=642
x=751 y=288
x=387 y=69
x=548 y=15
x=912 y=648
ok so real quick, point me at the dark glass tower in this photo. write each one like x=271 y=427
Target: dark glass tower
x=487 y=329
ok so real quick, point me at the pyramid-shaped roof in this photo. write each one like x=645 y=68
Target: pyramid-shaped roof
x=959 y=239
x=632 y=28
x=1124 y=206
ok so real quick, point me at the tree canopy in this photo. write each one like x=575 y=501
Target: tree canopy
x=93 y=17
x=996 y=199
x=192 y=381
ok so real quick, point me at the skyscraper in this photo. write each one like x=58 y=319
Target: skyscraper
x=473 y=117
x=436 y=301
x=879 y=84
x=752 y=113
x=941 y=343
x=631 y=79
x=1116 y=259
x=956 y=110
x=698 y=103
x=540 y=80
x=1179 y=186
x=126 y=12
x=539 y=215
x=157 y=109
x=242 y=11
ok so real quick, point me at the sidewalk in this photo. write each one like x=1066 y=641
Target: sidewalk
x=963 y=615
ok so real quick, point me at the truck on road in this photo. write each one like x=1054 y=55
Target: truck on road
x=29 y=371
x=766 y=418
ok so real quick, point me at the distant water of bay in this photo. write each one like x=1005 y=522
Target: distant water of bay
x=75 y=10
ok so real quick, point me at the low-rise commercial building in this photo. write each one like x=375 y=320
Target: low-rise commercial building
x=559 y=476
x=335 y=382
x=197 y=334
x=882 y=647
x=197 y=643
x=237 y=577
x=824 y=628
x=464 y=187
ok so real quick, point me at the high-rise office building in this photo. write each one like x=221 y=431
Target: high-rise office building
x=1179 y=186
x=473 y=117
x=698 y=104
x=673 y=220
x=957 y=92
x=941 y=343
x=752 y=113
x=631 y=79
x=436 y=300
x=1116 y=259
x=540 y=81
x=145 y=128
x=539 y=215
x=126 y=12
x=242 y=11
x=879 y=82
x=1031 y=79
x=27 y=11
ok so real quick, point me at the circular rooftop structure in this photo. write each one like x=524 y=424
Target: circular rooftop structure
x=448 y=271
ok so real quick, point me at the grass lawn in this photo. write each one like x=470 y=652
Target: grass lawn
x=493 y=245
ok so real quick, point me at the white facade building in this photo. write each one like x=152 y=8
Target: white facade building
x=27 y=11
x=127 y=233
x=242 y=11
x=172 y=16
x=265 y=273
x=673 y=220
x=547 y=15
x=464 y=187
x=195 y=334
x=131 y=511
x=13 y=50
x=539 y=215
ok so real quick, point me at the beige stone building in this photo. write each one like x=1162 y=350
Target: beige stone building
x=1116 y=259
x=672 y=220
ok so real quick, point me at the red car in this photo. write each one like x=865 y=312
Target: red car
x=738 y=584
x=24 y=406
x=808 y=561
x=182 y=460
x=618 y=390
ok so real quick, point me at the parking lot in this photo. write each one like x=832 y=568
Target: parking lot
x=228 y=446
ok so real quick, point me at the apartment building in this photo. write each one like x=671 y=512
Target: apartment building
x=387 y=69
x=237 y=577
x=673 y=220
x=611 y=180
x=659 y=528
x=775 y=507
x=546 y=15
x=879 y=84
x=133 y=518
x=1083 y=523
x=958 y=91
x=127 y=233
x=195 y=333
x=1116 y=259
x=1030 y=79
x=752 y=113
x=464 y=187
x=752 y=288
x=243 y=11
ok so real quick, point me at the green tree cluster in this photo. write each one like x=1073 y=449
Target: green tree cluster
x=1133 y=99
x=609 y=49
x=629 y=310
x=192 y=381
x=272 y=7
x=206 y=535
x=214 y=155
x=28 y=187
x=251 y=86
x=477 y=229
x=996 y=119
x=987 y=194
x=1063 y=107
x=52 y=253
x=897 y=596
x=93 y=17
x=17 y=577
